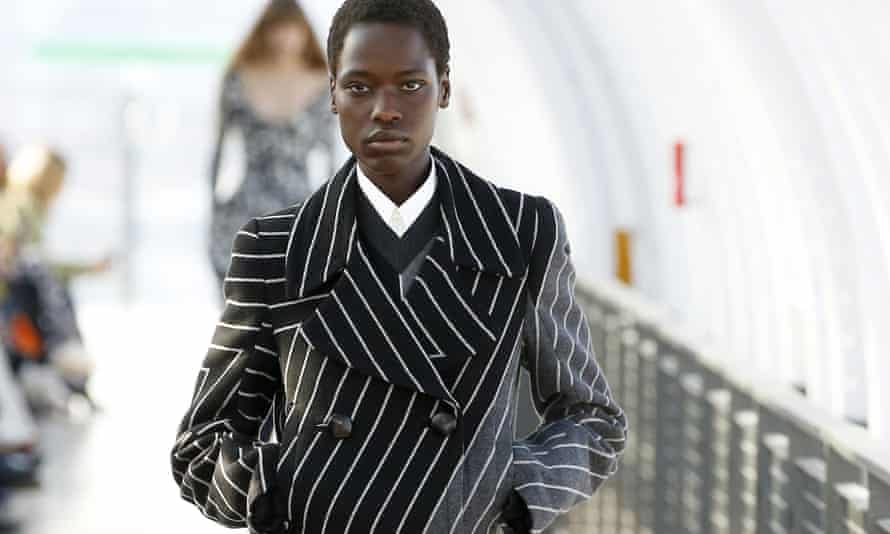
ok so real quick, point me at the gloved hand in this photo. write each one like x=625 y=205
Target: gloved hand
x=515 y=514
x=266 y=508
x=266 y=516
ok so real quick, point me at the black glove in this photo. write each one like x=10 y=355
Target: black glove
x=515 y=514
x=265 y=515
x=266 y=507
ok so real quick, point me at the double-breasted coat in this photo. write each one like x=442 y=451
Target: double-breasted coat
x=392 y=406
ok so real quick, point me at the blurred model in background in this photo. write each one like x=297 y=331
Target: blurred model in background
x=274 y=104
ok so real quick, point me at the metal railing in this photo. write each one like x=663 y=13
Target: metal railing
x=714 y=450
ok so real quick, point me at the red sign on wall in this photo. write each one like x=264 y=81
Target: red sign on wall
x=679 y=178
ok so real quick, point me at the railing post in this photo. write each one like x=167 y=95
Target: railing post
x=851 y=509
x=743 y=475
x=668 y=455
x=630 y=403
x=647 y=435
x=596 y=318
x=808 y=501
x=847 y=503
x=773 y=507
x=610 y=499
x=719 y=402
x=808 y=477
x=879 y=504
x=695 y=433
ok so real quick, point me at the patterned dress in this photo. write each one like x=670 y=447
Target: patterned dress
x=282 y=160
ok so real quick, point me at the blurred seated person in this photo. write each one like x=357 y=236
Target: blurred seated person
x=18 y=433
x=40 y=316
x=2 y=169
x=35 y=179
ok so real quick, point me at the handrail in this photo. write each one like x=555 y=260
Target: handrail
x=717 y=448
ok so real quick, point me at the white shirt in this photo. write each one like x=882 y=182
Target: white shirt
x=398 y=218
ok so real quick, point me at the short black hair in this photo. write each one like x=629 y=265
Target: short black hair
x=423 y=15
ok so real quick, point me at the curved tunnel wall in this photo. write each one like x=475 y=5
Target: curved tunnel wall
x=781 y=258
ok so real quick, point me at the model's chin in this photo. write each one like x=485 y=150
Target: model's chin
x=385 y=166
x=386 y=163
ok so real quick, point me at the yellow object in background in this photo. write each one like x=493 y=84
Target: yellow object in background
x=623 y=267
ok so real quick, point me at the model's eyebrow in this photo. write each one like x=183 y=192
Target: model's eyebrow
x=356 y=73
x=411 y=72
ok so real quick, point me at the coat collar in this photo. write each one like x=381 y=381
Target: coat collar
x=476 y=227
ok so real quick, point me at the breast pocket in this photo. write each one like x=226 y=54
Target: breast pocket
x=288 y=316
x=491 y=296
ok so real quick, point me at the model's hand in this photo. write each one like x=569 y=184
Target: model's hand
x=265 y=515
x=515 y=514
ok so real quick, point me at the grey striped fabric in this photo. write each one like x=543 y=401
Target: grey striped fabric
x=316 y=331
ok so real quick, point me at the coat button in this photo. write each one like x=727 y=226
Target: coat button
x=340 y=426
x=444 y=423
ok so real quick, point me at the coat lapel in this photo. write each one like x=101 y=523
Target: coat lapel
x=479 y=231
x=411 y=340
x=323 y=234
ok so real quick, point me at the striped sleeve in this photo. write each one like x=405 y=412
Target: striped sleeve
x=583 y=431
x=216 y=455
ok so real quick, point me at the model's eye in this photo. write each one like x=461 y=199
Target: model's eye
x=357 y=88
x=413 y=85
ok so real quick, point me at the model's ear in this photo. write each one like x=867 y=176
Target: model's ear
x=445 y=89
x=333 y=84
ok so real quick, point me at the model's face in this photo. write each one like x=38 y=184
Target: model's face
x=387 y=92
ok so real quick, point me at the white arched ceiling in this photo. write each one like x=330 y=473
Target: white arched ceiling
x=782 y=256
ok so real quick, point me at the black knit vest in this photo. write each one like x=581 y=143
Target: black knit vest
x=404 y=254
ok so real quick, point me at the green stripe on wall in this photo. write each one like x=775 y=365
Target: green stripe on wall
x=125 y=53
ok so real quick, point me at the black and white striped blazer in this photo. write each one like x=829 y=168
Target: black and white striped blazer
x=394 y=413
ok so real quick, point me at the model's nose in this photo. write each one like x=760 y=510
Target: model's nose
x=387 y=116
x=386 y=110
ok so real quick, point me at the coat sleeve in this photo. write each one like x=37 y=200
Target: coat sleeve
x=583 y=430
x=217 y=459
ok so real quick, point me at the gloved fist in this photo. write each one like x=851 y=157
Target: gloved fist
x=515 y=514
x=266 y=516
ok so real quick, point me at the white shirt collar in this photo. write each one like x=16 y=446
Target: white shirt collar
x=388 y=210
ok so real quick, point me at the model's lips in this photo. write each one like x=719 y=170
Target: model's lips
x=382 y=139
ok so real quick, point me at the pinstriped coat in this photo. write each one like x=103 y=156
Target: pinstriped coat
x=315 y=331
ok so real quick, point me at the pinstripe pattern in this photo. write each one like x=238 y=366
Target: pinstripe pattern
x=314 y=326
